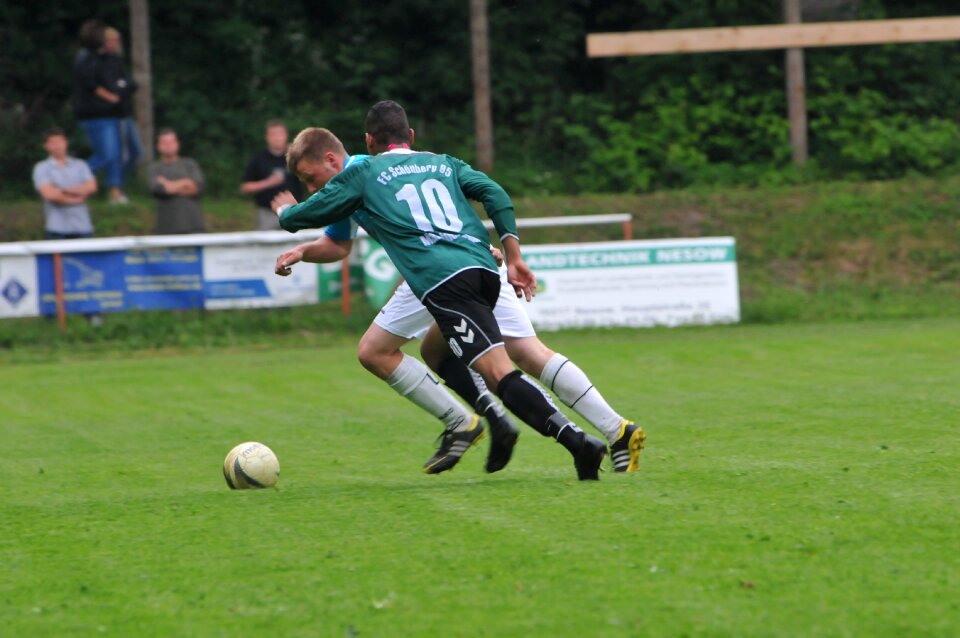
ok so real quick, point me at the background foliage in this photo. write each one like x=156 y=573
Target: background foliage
x=564 y=123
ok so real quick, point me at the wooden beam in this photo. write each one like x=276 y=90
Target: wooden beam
x=785 y=36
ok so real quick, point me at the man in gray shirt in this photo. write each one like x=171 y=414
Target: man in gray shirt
x=176 y=183
x=64 y=183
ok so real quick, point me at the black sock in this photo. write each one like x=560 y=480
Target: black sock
x=526 y=401
x=488 y=406
x=456 y=375
x=566 y=433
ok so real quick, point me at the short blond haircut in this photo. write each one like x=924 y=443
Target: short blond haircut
x=310 y=144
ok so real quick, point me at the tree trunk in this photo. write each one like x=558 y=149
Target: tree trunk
x=140 y=54
x=483 y=119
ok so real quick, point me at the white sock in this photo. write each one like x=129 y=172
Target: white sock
x=414 y=381
x=572 y=386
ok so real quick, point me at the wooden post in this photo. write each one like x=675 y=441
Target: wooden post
x=140 y=57
x=796 y=89
x=345 y=286
x=483 y=118
x=58 y=289
x=793 y=36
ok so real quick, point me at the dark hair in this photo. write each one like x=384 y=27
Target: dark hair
x=387 y=123
x=166 y=130
x=310 y=144
x=52 y=131
x=91 y=35
x=275 y=122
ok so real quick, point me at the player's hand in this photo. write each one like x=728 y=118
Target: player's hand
x=522 y=279
x=497 y=255
x=282 y=199
x=288 y=259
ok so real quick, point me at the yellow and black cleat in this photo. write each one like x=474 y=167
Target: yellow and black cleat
x=625 y=451
x=453 y=445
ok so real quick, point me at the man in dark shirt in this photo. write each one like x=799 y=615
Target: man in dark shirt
x=176 y=184
x=267 y=175
x=120 y=82
x=97 y=109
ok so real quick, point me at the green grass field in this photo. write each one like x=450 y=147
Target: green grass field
x=798 y=481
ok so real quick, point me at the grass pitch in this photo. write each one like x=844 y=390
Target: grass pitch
x=798 y=481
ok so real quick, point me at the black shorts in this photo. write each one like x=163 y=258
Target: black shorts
x=463 y=309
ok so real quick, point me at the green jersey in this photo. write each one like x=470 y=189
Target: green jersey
x=416 y=205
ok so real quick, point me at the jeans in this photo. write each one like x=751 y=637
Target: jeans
x=104 y=137
x=130 y=147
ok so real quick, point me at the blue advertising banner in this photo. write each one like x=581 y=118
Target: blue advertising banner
x=113 y=281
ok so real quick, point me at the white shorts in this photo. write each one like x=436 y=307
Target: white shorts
x=404 y=315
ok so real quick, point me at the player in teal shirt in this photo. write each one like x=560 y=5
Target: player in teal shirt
x=416 y=206
x=346 y=229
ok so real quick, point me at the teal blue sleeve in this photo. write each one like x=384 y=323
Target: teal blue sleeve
x=477 y=186
x=337 y=200
x=343 y=230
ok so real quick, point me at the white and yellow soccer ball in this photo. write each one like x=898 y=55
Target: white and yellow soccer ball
x=251 y=465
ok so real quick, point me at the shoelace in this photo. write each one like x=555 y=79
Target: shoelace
x=447 y=432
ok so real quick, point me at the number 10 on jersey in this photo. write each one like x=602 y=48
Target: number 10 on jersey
x=443 y=212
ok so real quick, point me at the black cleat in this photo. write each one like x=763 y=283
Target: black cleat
x=625 y=451
x=588 y=458
x=503 y=436
x=453 y=445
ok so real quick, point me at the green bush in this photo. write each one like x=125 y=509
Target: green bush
x=564 y=123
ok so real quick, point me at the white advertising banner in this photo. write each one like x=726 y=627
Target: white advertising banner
x=668 y=282
x=19 y=296
x=243 y=277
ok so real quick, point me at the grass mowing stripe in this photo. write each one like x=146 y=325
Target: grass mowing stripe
x=798 y=480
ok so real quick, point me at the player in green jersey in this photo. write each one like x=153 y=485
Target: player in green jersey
x=417 y=208
x=315 y=157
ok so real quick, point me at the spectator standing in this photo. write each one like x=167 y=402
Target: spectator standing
x=176 y=183
x=64 y=183
x=120 y=82
x=267 y=175
x=97 y=108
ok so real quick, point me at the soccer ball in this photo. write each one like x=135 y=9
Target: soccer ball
x=251 y=465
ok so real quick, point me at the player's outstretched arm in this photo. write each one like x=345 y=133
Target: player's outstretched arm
x=320 y=251
x=337 y=200
x=519 y=275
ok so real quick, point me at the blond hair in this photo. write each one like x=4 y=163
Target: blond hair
x=310 y=144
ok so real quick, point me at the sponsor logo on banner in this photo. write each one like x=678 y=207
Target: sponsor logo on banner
x=242 y=276
x=18 y=287
x=380 y=276
x=329 y=277
x=634 y=283
x=14 y=292
x=112 y=281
